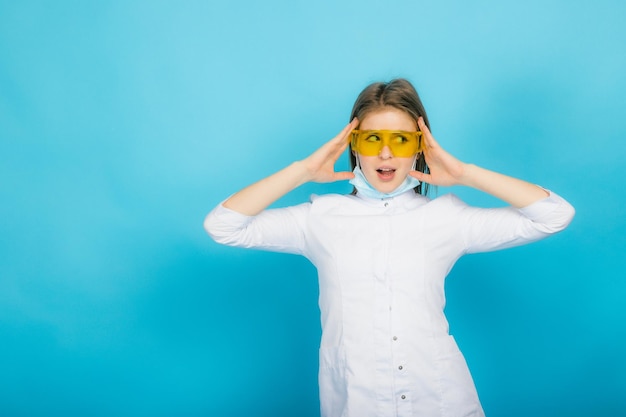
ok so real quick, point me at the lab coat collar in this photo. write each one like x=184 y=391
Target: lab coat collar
x=403 y=198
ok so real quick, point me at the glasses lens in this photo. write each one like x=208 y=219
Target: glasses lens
x=371 y=142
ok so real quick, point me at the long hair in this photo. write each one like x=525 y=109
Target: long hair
x=400 y=94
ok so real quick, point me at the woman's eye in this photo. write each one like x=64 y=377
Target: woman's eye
x=372 y=138
x=401 y=139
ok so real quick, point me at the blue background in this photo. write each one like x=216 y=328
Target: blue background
x=122 y=123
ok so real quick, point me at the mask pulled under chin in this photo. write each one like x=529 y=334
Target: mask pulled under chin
x=365 y=188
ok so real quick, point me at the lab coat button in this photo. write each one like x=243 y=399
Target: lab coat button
x=395 y=338
x=403 y=397
x=400 y=367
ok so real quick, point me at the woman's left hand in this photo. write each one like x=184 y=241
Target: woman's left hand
x=445 y=169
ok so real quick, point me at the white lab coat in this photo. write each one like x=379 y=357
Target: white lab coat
x=385 y=348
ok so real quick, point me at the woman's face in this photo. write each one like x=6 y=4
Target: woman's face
x=386 y=172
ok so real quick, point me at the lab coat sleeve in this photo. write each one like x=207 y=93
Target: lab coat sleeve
x=276 y=230
x=493 y=229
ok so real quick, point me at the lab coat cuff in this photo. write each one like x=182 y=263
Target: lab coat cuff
x=545 y=207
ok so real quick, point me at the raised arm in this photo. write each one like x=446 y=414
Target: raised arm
x=317 y=167
x=446 y=170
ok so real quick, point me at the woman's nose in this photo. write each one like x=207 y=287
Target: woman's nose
x=385 y=153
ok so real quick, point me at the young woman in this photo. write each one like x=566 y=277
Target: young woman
x=383 y=252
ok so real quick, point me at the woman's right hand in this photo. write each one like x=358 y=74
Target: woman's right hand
x=320 y=165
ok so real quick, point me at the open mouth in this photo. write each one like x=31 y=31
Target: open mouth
x=386 y=173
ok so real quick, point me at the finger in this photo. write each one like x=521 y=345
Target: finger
x=341 y=145
x=354 y=123
x=428 y=137
x=343 y=175
x=338 y=151
x=417 y=174
x=345 y=132
x=339 y=142
x=348 y=128
x=337 y=145
x=342 y=139
x=421 y=176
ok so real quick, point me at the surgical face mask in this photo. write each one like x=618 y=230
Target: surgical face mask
x=401 y=143
x=366 y=189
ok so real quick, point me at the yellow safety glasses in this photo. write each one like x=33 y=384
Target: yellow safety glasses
x=400 y=143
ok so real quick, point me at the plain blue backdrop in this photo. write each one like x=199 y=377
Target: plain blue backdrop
x=122 y=123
